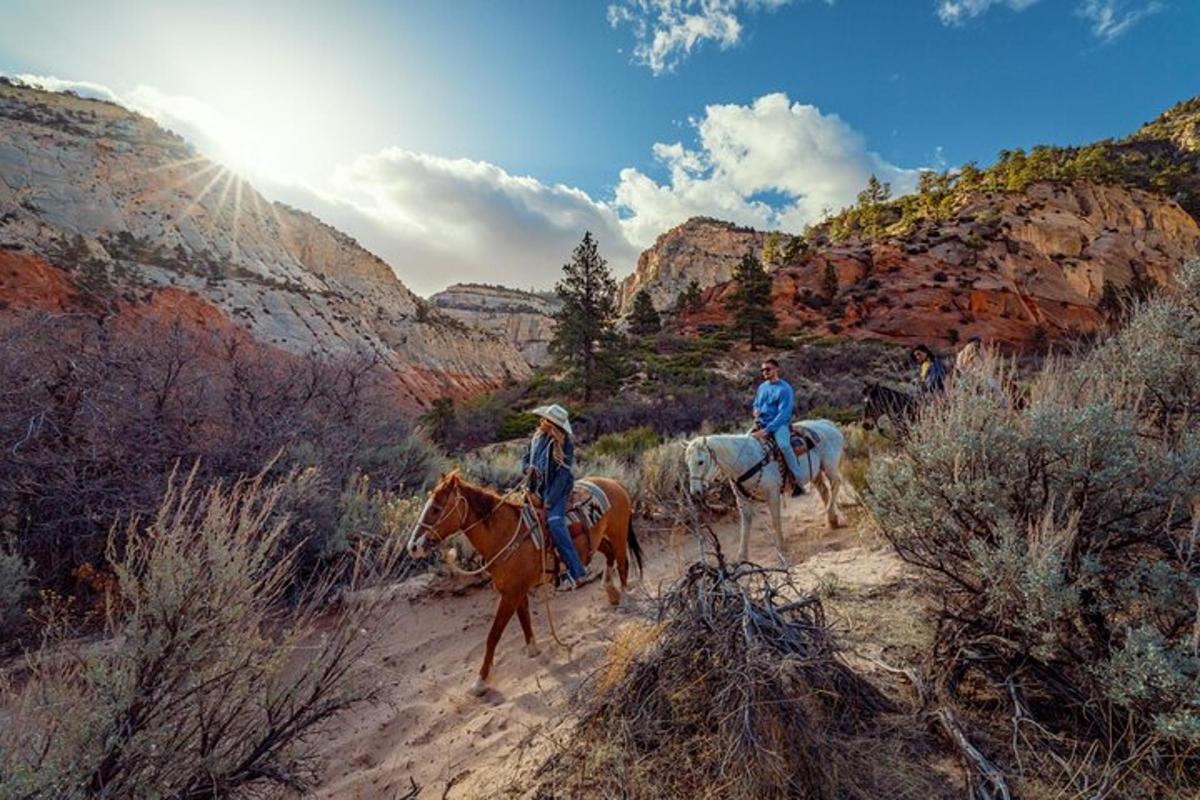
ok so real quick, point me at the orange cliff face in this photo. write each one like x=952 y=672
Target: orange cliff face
x=29 y=284
x=95 y=195
x=1014 y=268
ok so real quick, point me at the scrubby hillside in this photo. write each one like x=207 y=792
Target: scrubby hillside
x=104 y=209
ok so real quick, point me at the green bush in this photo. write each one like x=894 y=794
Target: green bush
x=516 y=425
x=626 y=445
x=1059 y=541
x=14 y=584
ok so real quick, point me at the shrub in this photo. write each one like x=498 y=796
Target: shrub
x=14 y=584
x=738 y=691
x=1059 y=541
x=94 y=418
x=213 y=690
x=627 y=445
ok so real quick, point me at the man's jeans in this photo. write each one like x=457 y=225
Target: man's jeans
x=783 y=437
x=556 y=521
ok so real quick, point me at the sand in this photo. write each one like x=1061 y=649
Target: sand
x=454 y=745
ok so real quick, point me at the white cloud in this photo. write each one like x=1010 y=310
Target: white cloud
x=81 y=88
x=667 y=31
x=954 y=12
x=770 y=164
x=1108 y=19
x=1111 y=18
x=441 y=220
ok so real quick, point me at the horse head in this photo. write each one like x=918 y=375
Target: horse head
x=701 y=464
x=872 y=406
x=445 y=512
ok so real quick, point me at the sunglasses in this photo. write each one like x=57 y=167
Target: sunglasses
x=765 y=370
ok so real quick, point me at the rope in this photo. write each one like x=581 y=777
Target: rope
x=501 y=552
x=546 y=592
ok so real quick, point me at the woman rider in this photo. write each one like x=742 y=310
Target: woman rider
x=548 y=465
x=931 y=374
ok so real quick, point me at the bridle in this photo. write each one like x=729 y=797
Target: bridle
x=427 y=527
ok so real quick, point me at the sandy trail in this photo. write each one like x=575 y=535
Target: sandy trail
x=455 y=745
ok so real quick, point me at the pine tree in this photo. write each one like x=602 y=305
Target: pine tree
x=750 y=303
x=870 y=205
x=831 y=281
x=771 y=252
x=795 y=249
x=643 y=318
x=689 y=298
x=584 y=336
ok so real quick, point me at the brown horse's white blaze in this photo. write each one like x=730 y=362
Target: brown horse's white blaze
x=493 y=525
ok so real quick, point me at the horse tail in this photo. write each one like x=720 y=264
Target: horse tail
x=634 y=547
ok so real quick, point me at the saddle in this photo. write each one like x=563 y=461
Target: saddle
x=804 y=441
x=586 y=505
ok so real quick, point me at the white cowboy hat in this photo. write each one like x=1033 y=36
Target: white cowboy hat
x=556 y=414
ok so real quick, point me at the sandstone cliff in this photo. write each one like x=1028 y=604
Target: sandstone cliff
x=1015 y=268
x=523 y=319
x=121 y=207
x=701 y=249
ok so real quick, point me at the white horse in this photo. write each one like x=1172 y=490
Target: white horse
x=727 y=457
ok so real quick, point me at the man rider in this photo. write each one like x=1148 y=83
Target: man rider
x=773 y=417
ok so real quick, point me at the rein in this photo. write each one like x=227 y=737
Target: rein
x=502 y=552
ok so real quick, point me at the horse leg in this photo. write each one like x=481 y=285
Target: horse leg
x=504 y=612
x=531 y=648
x=834 y=475
x=777 y=525
x=614 y=594
x=744 y=515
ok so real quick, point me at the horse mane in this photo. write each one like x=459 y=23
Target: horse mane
x=480 y=499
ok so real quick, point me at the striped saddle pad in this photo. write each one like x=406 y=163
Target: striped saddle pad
x=588 y=503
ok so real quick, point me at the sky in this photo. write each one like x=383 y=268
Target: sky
x=476 y=140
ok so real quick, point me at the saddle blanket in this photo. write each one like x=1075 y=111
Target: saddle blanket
x=587 y=504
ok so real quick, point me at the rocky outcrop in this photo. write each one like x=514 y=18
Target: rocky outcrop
x=523 y=319
x=1015 y=268
x=702 y=249
x=126 y=210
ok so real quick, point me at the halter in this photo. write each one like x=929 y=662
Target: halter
x=458 y=498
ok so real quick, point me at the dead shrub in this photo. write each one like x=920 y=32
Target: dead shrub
x=94 y=415
x=737 y=691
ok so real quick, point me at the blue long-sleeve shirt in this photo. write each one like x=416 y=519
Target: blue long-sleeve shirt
x=774 y=402
x=553 y=481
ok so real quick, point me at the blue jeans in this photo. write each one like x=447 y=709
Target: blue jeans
x=783 y=437
x=556 y=521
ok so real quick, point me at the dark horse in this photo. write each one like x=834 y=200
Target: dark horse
x=884 y=401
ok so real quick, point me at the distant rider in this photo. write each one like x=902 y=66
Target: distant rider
x=773 y=417
x=931 y=373
x=548 y=465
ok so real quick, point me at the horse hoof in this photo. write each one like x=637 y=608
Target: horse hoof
x=614 y=595
x=532 y=650
x=480 y=688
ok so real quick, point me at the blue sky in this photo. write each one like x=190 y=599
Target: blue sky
x=476 y=140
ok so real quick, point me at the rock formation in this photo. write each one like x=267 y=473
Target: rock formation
x=523 y=319
x=97 y=200
x=701 y=249
x=1016 y=268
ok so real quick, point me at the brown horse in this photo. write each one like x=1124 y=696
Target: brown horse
x=493 y=525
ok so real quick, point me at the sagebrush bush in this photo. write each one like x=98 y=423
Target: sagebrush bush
x=211 y=687
x=1060 y=540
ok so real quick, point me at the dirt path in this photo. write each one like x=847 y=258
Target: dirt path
x=455 y=745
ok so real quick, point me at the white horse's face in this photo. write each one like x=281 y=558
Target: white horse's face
x=700 y=464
